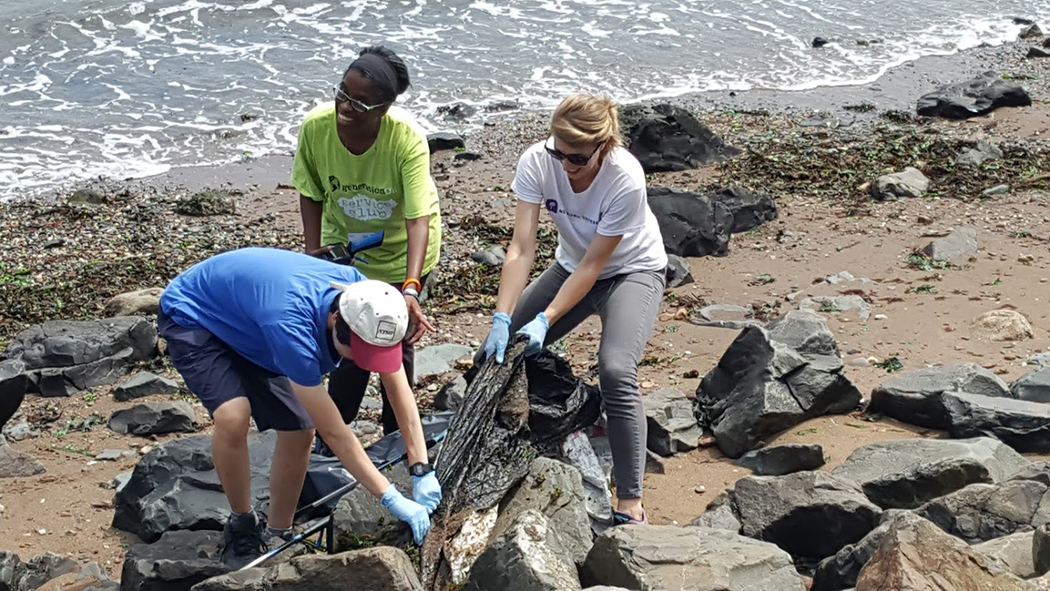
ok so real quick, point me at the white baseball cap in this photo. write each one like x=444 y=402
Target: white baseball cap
x=378 y=320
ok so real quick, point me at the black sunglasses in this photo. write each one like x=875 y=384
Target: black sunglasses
x=575 y=159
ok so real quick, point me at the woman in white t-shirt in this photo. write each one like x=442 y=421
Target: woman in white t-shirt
x=610 y=261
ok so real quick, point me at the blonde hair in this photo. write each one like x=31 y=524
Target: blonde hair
x=586 y=120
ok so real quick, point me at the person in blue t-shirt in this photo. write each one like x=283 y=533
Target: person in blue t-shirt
x=253 y=331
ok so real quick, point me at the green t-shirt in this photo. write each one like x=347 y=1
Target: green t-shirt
x=377 y=190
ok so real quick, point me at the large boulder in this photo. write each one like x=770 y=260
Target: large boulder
x=915 y=554
x=527 y=556
x=906 y=473
x=13 y=384
x=672 y=424
x=445 y=140
x=811 y=515
x=174 y=487
x=134 y=303
x=144 y=384
x=1041 y=549
x=695 y=225
x=15 y=464
x=783 y=459
x=840 y=570
x=667 y=557
x=178 y=560
x=979 y=96
x=556 y=491
x=154 y=418
x=1023 y=425
x=360 y=520
x=982 y=512
x=383 y=568
x=763 y=384
x=64 y=356
x=666 y=138
x=749 y=208
x=1033 y=386
x=1012 y=553
x=42 y=568
x=915 y=396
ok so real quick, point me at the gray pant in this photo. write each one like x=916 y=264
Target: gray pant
x=627 y=305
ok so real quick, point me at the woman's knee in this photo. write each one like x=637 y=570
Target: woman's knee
x=233 y=418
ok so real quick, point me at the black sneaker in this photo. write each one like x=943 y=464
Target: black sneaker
x=242 y=540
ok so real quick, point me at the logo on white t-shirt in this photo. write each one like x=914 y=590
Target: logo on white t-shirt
x=555 y=209
x=365 y=208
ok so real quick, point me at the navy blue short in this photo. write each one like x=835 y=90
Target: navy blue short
x=215 y=374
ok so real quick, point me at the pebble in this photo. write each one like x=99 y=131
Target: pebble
x=145 y=449
x=42 y=531
x=647 y=385
x=700 y=490
x=859 y=362
x=881 y=317
x=872 y=360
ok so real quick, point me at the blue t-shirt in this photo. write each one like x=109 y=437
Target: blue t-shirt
x=269 y=305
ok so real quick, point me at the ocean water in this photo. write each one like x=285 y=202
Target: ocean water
x=122 y=88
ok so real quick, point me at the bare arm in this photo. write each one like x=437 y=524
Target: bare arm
x=399 y=393
x=520 y=256
x=340 y=438
x=418 y=236
x=311 y=211
x=582 y=279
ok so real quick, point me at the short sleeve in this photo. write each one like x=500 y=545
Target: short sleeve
x=626 y=211
x=420 y=192
x=297 y=356
x=305 y=177
x=528 y=179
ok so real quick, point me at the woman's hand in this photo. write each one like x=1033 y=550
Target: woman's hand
x=319 y=251
x=418 y=325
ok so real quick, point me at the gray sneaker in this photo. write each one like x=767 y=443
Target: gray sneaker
x=242 y=540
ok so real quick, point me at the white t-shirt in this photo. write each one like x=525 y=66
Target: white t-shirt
x=614 y=205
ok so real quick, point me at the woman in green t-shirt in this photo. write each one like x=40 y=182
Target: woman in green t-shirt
x=363 y=165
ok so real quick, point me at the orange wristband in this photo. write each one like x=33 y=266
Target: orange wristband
x=419 y=286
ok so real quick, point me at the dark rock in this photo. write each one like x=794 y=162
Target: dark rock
x=1019 y=20
x=1037 y=52
x=466 y=157
x=372 y=569
x=11 y=571
x=979 y=96
x=134 y=303
x=13 y=384
x=1031 y=31
x=982 y=512
x=457 y=111
x=178 y=560
x=667 y=557
x=819 y=42
x=811 y=515
x=63 y=356
x=914 y=554
x=906 y=473
x=527 y=556
x=678 y=271
x=144 y=384
x=207 y=203
x=783 y=459
x=17 y=464
x=174 y=487
x=840 y=570
x=154 y=418
x=979 y=154
x=915 y=396
x=492 y=256
x=672 y=425
x=692 y=225
x=450 y=396
x=750 y=209
x=909 y=183
x=763 y=385
x=1012 y=553
x=44 y=567
x=555 y=490
x=1033 y=386
x=445 y=140
x=961 y=243
x=719 y=515
x=360 y=520
x=666 y=138
x=1041 y=549
x=1023 y=425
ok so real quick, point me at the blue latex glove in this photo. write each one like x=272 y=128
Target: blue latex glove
x=499 y=334
x=537 y=332
x=411 y=512
x=426 y=490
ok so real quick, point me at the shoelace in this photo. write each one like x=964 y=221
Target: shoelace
x=251 y=541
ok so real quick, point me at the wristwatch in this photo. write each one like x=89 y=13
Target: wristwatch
x=420 y=469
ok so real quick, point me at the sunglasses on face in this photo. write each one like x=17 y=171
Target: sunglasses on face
x=342 y=97
x=574 y=159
